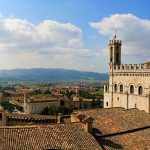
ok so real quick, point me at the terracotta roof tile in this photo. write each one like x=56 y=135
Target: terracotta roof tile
x=56 y=136
x=117 y=128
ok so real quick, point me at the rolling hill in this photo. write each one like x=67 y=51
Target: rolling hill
x=50 y=75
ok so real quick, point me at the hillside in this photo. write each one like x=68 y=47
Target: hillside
x=43 y=74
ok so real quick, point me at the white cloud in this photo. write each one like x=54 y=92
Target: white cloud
x=133 y=31
x=47 y=44
x=48 y=37
x=1 y=15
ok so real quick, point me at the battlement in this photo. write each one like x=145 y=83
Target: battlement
x=130 y=68
x=115 y=42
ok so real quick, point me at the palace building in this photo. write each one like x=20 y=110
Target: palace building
x=129 y=84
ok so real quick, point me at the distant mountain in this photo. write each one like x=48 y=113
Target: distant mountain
x=49 y=75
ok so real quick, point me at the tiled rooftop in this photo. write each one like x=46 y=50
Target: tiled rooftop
x=117 y=128
x=55 y=136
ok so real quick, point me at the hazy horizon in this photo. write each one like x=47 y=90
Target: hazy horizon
x=72 y=34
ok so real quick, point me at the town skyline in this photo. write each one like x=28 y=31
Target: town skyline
x=71 y=34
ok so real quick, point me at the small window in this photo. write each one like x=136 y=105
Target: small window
x=117 y=57
x=131 y=89
x=106 y=90
x=140 y=90
x=121 y=88
x=106 y=103
x=115 y=88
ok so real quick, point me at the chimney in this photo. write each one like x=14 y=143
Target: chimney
x=87 y=124
x=86 y=121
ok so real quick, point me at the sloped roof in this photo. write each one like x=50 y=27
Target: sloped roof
x=148 y=62
x=56 y=136
x=117 y=128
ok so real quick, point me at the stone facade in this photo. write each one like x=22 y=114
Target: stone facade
x=36 y=106
x=129 y=84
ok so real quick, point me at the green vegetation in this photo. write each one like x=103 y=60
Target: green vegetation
x=11 y=107
x=37 y=94
x=8 y=106
x=86 y=94
x=54 y=110
x=96 y=104
x=20 y=108
x=91 y=95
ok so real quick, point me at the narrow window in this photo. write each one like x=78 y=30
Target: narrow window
x=117 y=57
x=131 y=89
x=106 y=89
x=106 y=103
x=121 y=88
x=115 y=88
x=111 y=49
x=117 y=54
x=140 y=90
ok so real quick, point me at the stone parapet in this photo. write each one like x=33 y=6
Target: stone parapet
x=115 y=42
x=130 y=68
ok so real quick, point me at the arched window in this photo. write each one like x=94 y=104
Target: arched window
x=121 y=88
x=115 y=88
x=131 y=89
x=140 y=90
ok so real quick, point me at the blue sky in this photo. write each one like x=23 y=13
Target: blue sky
x=85 y=37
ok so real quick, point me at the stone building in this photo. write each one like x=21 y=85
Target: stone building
x=35 y=106
x=129 y=84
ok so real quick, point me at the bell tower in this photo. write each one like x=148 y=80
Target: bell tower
x=115 y=51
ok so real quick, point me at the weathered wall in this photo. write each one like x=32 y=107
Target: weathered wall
x=33 y=108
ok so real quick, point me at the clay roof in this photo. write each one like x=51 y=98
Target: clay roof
x=55 y=136
x=148 y=62
x=117 y=128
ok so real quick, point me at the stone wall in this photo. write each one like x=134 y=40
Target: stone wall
x=127 y=101
x=35 y=108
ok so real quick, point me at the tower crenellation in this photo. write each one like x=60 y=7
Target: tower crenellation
x=111 y=42
x=130 y=68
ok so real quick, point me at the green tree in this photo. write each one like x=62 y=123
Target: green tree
x=8 y=106
x=47 y=92
x=45 y=111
